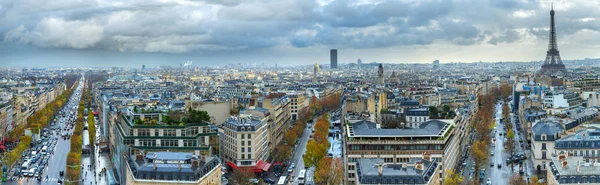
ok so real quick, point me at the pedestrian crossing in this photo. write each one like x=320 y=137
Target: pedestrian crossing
x=31 y=178
x=309 y=179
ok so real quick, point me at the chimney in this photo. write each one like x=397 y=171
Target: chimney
x=203 y=158
x=179 y=165
x=562 y=157
x=578 y=164
x=419 y=165
x=564 y=163
x=380 y=168
x=154 y=161
x=194 y=163
x=427 y=156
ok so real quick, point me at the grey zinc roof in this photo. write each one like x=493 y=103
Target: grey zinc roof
x=547 y=127
x=368 y=172
x=170 y=156
x=428 y=128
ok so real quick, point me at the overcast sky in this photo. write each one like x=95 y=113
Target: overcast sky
x=215 y=32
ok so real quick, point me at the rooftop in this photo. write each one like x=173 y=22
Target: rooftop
x=369 y=173
x=573 y=166
x=431 y=128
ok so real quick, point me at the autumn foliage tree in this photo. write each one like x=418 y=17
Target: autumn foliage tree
x=451 y=178
x=242 y=176
x=516 y=179
x=322 y=170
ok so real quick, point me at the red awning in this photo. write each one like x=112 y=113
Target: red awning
x=95 y=112
x=262 y=166
x=2 y=147
x=233 y=166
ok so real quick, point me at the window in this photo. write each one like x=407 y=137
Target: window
x=249 y=149
x=143 y=132
x=249 y=156
x=242 y=136
x=249 y=143
x=543 y=154
x=169 y=132
x=243 y=143
x=543 y=146
x=169 y=142
x=249 y=136
x=243 y=149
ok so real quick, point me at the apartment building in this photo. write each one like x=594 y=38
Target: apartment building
x=366 y=139
x=173 y=168
x=297 y=103
x=542 y=146
x=418 y=171
x=584 y=143
x=279 y=108
x=245 y=138
x=139 y=132
x=567 y=169
x=414 y=117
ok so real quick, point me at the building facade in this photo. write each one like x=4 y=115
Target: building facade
x=366 y=139
x=246 y=137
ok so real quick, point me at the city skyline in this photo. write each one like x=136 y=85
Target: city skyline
x=131 y=34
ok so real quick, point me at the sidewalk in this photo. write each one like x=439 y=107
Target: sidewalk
x=102 y=161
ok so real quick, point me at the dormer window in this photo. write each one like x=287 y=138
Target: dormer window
x=544 y=137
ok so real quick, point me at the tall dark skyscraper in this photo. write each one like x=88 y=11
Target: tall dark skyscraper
x=553 y=66
x=333 y=56
x=143 y=67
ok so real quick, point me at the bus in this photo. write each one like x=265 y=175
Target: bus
x=282 y=180
x=301 y=176
x=44 y=150
x=25 y=167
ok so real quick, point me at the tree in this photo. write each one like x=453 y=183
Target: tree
x=242 y=176
x=322 y=170
x=290 y=138
x=510 y=134
x=314 y=153
x=479 y=153
x=516 y=179
x=535 y=181
x=446 y=108
x=337 y=171
x=452 y=178
x=433 y=112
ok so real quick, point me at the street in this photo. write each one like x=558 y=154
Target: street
x=58 y=156
x=496 y=169
x=297 y=157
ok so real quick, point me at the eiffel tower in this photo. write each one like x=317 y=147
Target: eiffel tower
x=553 y=65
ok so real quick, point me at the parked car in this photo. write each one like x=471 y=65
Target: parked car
x=270 y=181
x=290 y=169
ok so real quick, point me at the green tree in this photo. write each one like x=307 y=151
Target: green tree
x=433 y=112
x=446 y=108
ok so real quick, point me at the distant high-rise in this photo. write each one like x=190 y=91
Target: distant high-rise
x=436 y=64
x=359 y=62
x=333 y=57
x=143 y=67
x=553 y=65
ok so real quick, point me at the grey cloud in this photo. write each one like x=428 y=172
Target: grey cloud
x=508 y=36
x=55 y=32
x=226 y=25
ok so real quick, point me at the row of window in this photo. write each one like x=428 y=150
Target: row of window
x=192 y=131
x=163 y=142
x=395 y=147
